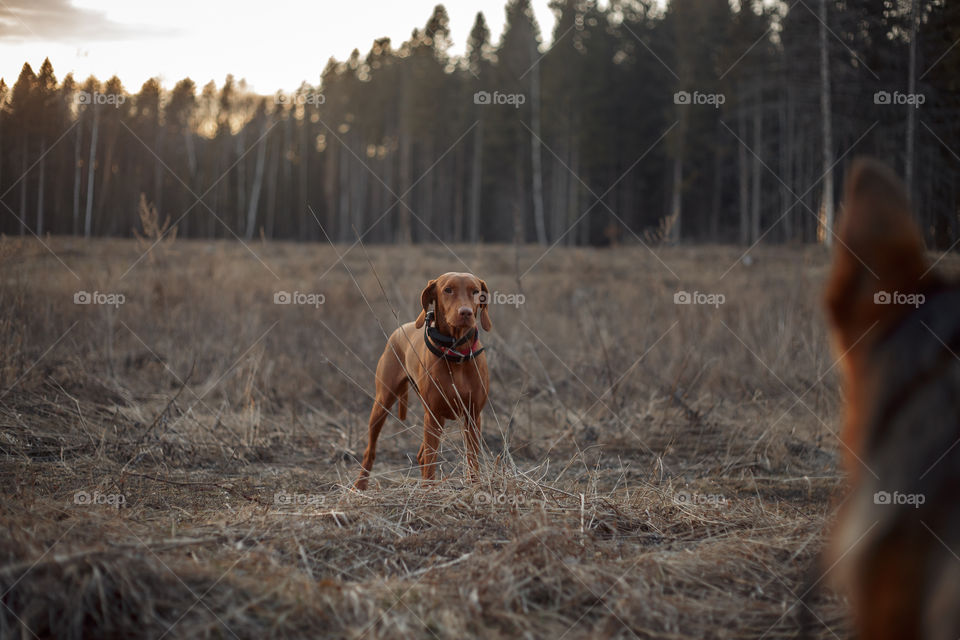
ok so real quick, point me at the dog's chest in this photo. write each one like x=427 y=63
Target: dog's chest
x=452 y=390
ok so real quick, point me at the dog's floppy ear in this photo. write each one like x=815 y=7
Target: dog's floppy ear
x=484 y=307
x=428 y=295
x=879 y=252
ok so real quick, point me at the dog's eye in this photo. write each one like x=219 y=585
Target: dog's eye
x=448 y=290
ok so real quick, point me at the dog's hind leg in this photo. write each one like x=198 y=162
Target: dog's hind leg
x=378 y=415
x=391 y=385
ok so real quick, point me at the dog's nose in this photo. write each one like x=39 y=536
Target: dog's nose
x=466 y=312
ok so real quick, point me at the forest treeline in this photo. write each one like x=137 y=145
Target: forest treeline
x=701 y=121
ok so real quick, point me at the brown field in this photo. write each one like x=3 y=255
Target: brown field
x=650 y=470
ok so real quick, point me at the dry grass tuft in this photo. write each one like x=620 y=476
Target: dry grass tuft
x=153 y=236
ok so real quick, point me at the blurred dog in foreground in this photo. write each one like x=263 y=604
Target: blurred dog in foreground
x=896 y=326
x=446 y=366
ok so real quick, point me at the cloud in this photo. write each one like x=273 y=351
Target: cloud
x=61 y=21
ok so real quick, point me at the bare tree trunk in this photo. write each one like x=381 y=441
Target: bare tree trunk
x=426 y=200
x=257 y=183
x=911 y=90
x=404 y=234
x=272 y=171
x=786 y=147
x=239 y=141
x=77 y=176
x=343 y=193
x=40 y=185
x=301 y=208
x=557 y=197
x=106 y=179
x=518 y=231
x=573 y=194
x=191 y=152
x=286 y=184
x=331 y=169
x=827 y=199
x=676 y=198
x=23 y=183
x=716 y=199
x=458 y=195
x=158 y=170
x=476 y=178
x=744 y=182
x=535 y=147
x=757 y=168
x=88 y=218
x=359 y=178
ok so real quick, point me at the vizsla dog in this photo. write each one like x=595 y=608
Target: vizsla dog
x=440 y=354
x=896 y=325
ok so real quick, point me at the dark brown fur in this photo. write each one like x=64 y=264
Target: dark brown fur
x=897 y=562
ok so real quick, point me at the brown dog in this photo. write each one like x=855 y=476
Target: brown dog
x=441 y=355
x=897 y=326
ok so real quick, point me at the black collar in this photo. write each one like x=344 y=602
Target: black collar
x=444 y=346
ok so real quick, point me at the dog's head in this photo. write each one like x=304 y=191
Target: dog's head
x=457 y=299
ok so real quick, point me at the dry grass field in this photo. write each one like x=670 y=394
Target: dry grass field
x=180 y=465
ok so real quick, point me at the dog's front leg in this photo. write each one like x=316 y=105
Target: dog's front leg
x=471 y=434
x=427 y=456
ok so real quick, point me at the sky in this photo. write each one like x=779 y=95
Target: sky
x=275 y=45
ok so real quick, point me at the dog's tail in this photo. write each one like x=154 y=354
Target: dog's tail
x=402 y=398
